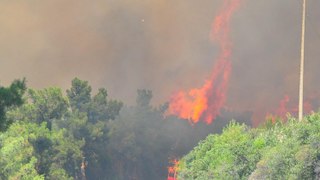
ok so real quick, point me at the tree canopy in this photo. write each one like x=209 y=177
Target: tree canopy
x=49 y=134
x=282 y=151
x=9 y=97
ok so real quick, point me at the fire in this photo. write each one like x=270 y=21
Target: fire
x=204 y=103
x=287 y=107
x=173 y=169
x=283 y=109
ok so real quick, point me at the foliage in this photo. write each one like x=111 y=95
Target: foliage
x=54 y=136
x=85 y=136
x=280 y=151
x=31 y=150
x=11 y=96
x=142 y=140
x=137 y=143
x=49 y=135
x=88 y=122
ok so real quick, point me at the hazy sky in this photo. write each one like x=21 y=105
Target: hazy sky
x=162 y=45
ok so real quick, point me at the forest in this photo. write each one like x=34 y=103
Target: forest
x=154 y=90
x=51 y=134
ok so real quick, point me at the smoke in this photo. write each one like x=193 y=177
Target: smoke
x=160 y=45
x=266 y=66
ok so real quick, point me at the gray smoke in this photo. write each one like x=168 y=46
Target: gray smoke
x=161 y=45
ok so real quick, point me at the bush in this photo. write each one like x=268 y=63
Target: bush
x=277 y=151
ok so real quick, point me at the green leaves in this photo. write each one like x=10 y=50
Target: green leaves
x=48 y=104
x=280 y=151
x=31 y=150
x=10 y=97
x=80 y=134
x=222 y=156
x=79 y=94
x=54 y=136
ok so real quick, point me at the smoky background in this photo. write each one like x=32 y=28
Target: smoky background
x=159 y=45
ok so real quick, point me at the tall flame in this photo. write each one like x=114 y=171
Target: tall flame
x=204 y=103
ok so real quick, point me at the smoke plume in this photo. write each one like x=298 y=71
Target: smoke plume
x=160 y=45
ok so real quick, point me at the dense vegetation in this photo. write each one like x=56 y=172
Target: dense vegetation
x=276 y=151
x=48 y=134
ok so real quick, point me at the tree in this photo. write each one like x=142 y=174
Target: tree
x=11 y=96
x=48 y=104
x=139 y=143
x=144 y=97
x=89 y=120
x=79 y=95
x=29 y=150
x=280 y=151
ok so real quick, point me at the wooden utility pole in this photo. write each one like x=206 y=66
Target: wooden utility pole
x=302 y=60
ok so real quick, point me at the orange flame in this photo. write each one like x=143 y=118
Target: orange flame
x=173 y=169
x=205 y=103
x=285 y=108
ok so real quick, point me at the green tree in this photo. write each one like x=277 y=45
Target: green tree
x=88 y=121
x=48 y=104
x=31 y=150
x=79 y=95
x=11 y=96
x=279 y=151
x=58 y=152
x=138 y=143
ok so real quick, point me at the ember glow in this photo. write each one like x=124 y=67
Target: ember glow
x=204 y=103
x=173 y=169
x=286 y=106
